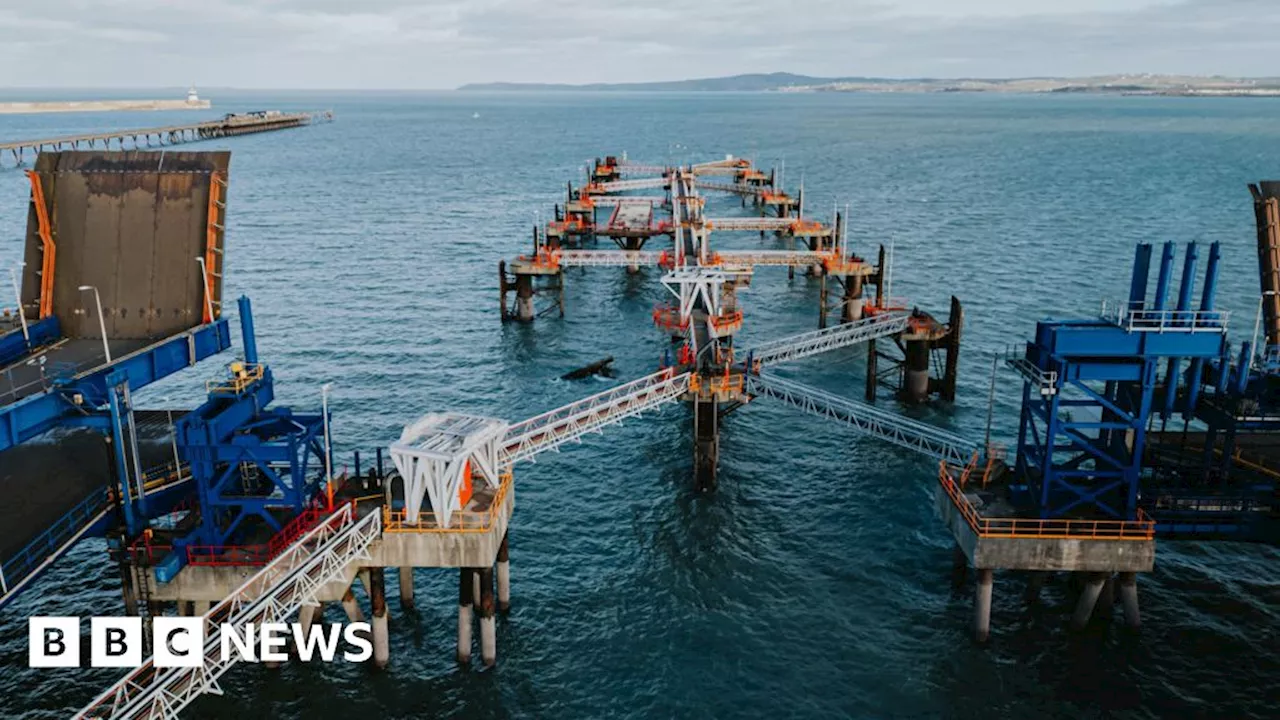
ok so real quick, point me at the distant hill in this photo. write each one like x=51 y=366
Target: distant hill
x=734 y=83
x=1144 y=84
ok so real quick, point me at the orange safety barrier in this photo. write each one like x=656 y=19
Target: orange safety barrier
x=393 y=521
x=45 y=230
x=1143 y=528
x=726 y=322
x=213 y=227
x=665 y=316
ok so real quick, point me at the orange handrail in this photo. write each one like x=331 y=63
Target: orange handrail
x=45 y=230
x=394 y=521
x=1142 y=528
x=211 y=242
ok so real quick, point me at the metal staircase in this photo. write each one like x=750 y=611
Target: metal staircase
x=272 y=595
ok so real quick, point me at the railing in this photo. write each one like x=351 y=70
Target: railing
x=726 y=322
x=815 y=342
x=718 y=384
x=1015 y=356
x=51 y=540
x=262 y=553
x=565 y=424
x=271 y=595
x=241 y=378
x=669 y=318
x=1141 y=529
x=463 y=521
x=868 y=419
x=1142 y=319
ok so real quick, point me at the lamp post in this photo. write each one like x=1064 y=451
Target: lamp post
x=173 y=436
x=328 y=452
x=17 y=294
x=204 y=276
x=102 y=324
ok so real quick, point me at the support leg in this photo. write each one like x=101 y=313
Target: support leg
x=1088 y=598
x=1129 y=599
x=465 y=584
x=982 y=605
x=1035 y=583
x=504 y=576
x=524 y=298
x=959 y=567
x=488 y=628
x=306 y=618
x=706 y=443
x=1106 y=599
x=351 y=607
x=378 y=606
x=406 y=588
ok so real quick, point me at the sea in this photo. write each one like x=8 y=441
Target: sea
x=816 y=581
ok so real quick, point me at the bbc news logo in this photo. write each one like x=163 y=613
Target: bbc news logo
x=179 y=642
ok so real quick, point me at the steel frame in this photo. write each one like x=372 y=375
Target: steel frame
x=435 y=453
x=550 y=430
x=867 y=419
x=271 y=595
x=819 y=341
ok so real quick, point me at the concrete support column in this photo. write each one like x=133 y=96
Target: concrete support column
x=959 y=567
x=524 y=298
x=351 y=607
x=1035 y=583
x=1106 y=599
x=916 y=382
x=504 y=575
x=1088 y=598
x=306 y=618
x=488 y=627
x=982 y=605
x=1129 y=598
x=406 y=588
x=378 y=607
x=852 y=309
x=465 y=584
x=200 y=607
x=633 y=244
x=706 y=443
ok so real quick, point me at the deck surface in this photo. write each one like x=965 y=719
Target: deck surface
x=29 y=376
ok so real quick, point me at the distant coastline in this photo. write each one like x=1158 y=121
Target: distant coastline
x=1161 y=85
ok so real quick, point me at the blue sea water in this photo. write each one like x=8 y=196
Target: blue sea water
x=815 y=582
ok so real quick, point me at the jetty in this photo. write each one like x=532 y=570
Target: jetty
x=229 y=125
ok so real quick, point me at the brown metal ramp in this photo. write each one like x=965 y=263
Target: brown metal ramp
x=130 y=224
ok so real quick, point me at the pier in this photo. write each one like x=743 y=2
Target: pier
x=260 y=524
x=228 y=126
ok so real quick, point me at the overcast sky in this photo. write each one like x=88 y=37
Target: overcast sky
x=445 y=43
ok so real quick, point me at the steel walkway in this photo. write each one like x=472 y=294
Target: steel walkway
x=867 y=419
x=550 y=430
x=820 y=341
x=272 y=595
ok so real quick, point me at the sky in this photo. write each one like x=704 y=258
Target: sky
x=436 y=44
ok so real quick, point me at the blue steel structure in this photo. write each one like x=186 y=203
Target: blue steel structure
x=1093 y=387
x=255 y=468
x=17 y=344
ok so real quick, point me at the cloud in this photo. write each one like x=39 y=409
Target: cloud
x=443 y=43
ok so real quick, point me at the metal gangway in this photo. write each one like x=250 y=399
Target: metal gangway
x=272 y=595
x=750 y=223
x=867 y=419
x=610 y=258
x=876 y=326
x=736 y=188
x=624 y=185
x=568 y=423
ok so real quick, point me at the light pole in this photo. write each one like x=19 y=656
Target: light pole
x=328 y=453
x=204 y=276
x=17 y=294
x=173 y=436
x=102 y=324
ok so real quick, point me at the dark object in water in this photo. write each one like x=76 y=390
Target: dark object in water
x=599 y=367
